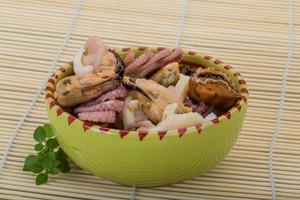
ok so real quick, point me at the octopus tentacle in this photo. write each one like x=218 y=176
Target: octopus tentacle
x=102 y=116
x=174 y=56
x=139 y=61
x=111 y=105
x=118 y=93
x=129 y=58
x=153 y=64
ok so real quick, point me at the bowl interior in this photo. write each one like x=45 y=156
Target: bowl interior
x=190 y=58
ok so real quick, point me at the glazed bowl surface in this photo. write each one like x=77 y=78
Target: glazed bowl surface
x=148 y=159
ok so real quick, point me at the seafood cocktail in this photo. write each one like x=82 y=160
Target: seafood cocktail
x=145 y=116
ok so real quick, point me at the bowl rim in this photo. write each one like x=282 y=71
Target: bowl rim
x=227 y=69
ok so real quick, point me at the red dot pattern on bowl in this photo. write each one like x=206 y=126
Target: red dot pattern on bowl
x=105 y=129
x=237 y=74
x=191 y=53
x=161 y=134
x=244 y=90
x=182 y=131
x=52 y=104
x=228 y=115
x=142 y=48
x=227 y=67
x=123 y=133
x=142 y=134
x=207 y=57
x=86 y=126
x=49 y=96
x=51 y=80
x=218 y=62
x=49 y=89
x=59 y=111
x=242 y=81
x=71 y=119
x=238 y=107
x=215 y=121
x=199 y=127
x=244 y=99
x=126 y=49
x=62 y=69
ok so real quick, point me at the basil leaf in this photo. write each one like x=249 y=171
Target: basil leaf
x=37 y=168
x=64 y=166
x=54 y=171
x=30 y=161
x=38 y=147
x=48 y=130
x=60 y=154
x=52 y=143
x=41 y=178
x=39 y=134
x=51 y=155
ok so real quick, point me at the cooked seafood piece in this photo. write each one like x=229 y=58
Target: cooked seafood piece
x=181 y=88
x=175 y=121
x=153 y=97
x=111 y=105
x=170 y=109
x=210 y=117
x=212 y=87
x=117 y=93
x=108 y=59
x=132 y=112
x=94 y=56
x=129 y=57
x=134 y=66
x=148 y=62
x=168 y=75
x=76 y=89
x=140 y=126
x=89 y=56
x=153 y=64
x=98 y=116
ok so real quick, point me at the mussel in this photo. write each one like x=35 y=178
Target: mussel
x=212 y=87
x=153 y=97
x=167 y=75
x=76 y=89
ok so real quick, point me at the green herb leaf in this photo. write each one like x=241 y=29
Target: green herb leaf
x=49 y=158
x=64 y=166
x=41 y=178
x=52 y=143
x=53 y=164
x=38 y=147
x=60 y=154
x=30 y=162
x=51 y=155
x=48 y=130
x=54 y=171
x=37 y=168
x=39 y=134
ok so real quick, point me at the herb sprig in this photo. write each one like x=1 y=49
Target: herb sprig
x=50 y=158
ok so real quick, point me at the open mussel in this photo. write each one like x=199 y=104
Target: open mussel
x=212 y=87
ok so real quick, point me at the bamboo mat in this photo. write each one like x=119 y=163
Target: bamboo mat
x=261 y=38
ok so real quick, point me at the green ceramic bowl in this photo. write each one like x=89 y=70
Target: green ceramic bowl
x=149 y=158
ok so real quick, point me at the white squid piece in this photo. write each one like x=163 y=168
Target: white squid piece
x=89 y=57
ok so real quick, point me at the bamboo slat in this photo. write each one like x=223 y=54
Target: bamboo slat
x=252 y=36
